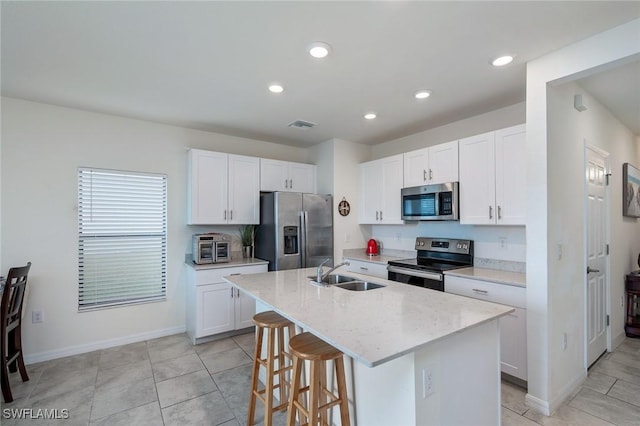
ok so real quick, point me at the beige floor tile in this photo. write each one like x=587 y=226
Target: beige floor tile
x=599 y=382
x=627 y=373
x=112 y=400
x=56 y=382
x=216 y=346
x=75 y=362
x=510 y=418
x=71 y=408
x=606 y=407
x=626 y=358
x=221 y=361
x=169 y=347
x=145 y=415
x=566 y=416
x=234 y=381
x=209 y=409
x=123 y=355
x=183 y=388
x=124 y=374
x=175 y=367
x=627 y=392
x=513 y=398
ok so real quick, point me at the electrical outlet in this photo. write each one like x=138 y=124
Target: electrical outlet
x=559 y=250
x=622 y=301
x=37 y=317
x=427 y=383
x=503 y=242
x=564 y=341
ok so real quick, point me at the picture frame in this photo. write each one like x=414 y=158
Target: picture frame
x=630 y=191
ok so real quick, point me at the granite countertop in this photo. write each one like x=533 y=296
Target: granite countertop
x=384 y=257
x=235 y=261
x=494 y=275
x=372 y=326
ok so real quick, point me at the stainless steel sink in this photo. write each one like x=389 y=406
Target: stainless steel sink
x=334 y=279
x=359 y=286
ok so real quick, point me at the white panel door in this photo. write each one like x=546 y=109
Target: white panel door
x=511 y=167
x=302 y=178
x=443 y=163
x=513 y=343
x=477 y=179
x=215 y=310
x=370 y=192
x=245 y=307
x=415 y=168
x=207 y=187
x=244 y=192
x=596 y=273
x=392 y=175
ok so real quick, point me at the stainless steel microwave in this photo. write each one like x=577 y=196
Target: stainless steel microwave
x=430 y=202
x=211 y=248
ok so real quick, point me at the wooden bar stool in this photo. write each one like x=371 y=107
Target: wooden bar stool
x=307 y=347
x=275 y=325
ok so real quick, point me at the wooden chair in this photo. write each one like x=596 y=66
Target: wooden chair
x=11 y=327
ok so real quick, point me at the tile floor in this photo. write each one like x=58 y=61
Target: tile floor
x=168 y=381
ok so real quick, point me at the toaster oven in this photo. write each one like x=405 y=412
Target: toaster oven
x=211 y=248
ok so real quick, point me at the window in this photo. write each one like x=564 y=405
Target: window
x=122 y=227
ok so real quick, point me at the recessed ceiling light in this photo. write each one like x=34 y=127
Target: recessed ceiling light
x=370 y=115
x=422 y=94
x=319 y=50
x=276 y=88
x=502 y=61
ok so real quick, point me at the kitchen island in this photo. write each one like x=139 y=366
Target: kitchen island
x=421 y=356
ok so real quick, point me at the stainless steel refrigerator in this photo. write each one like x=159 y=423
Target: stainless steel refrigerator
x=296 y=230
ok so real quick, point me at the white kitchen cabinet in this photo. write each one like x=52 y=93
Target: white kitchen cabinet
x=276 y=175
x=380 y=186
x=215 y=306
x=513 y=327
x=223 y=188
x=368 y=268
x=431 y=165
x=492 y=177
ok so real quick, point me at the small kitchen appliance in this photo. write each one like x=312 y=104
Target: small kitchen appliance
x=211 y=248
x=430 y=202
x=372 y=247
x=434 y=256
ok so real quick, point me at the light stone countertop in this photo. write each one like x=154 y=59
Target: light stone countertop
x=372 y=326
x=235 y=261
x=384 y=257
x=494 y=275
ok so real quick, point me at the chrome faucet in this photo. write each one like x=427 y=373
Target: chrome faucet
x=320 y=276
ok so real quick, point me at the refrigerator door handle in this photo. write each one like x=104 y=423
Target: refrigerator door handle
x=303 y=239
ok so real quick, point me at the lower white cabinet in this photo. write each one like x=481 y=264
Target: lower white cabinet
x=513 y=327
x=215 y=306
x=368 y=268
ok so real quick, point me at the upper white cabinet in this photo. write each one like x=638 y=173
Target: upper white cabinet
x=223 y=188
x=380 y=186
x=431 y=165
x=276 y=175
x=492 y=177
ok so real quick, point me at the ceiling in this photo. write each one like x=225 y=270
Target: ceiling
x=207 y=65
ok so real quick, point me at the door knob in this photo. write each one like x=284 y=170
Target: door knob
x=589 y=270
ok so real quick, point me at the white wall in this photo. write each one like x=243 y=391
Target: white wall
x=42 y=148
x=554 y=208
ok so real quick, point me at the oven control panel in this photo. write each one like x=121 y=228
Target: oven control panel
x=444 y=245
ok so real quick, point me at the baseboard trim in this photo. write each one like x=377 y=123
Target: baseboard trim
x=617 y=340
x=549 y=407
x=102 y=344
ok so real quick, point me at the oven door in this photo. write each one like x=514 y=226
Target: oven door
x=426 y=279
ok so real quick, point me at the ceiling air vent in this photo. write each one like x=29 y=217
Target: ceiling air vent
x=301 y=124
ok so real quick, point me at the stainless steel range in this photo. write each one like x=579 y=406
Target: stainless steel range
x=435 y=255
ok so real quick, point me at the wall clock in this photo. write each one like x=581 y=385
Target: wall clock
x=344 y=208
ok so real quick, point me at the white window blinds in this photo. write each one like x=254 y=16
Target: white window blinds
x=122 y=224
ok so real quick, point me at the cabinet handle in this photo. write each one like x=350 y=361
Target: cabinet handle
x=232 y=292
x=290 y=183
x=237 y=273
x=490 y=212
x=230 y=214
x=225 y=215
x=430 y=174
x=238 y=293
x=499 y=212
x=424 y=175
x=380 y=214
x=377 y=215
x=364 y=269
x=477 y=290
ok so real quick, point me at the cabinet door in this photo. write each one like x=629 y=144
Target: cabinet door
x=392 y=175
x=245 y=309
x=477 y=179
x=244 y=193
x=274 y=175
x=207 y=187
x=511 y=166
x=513 y=343
x=415 y=167
x=302 y=178
x=215 y=309
x=443 y=163
x=370 y=192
